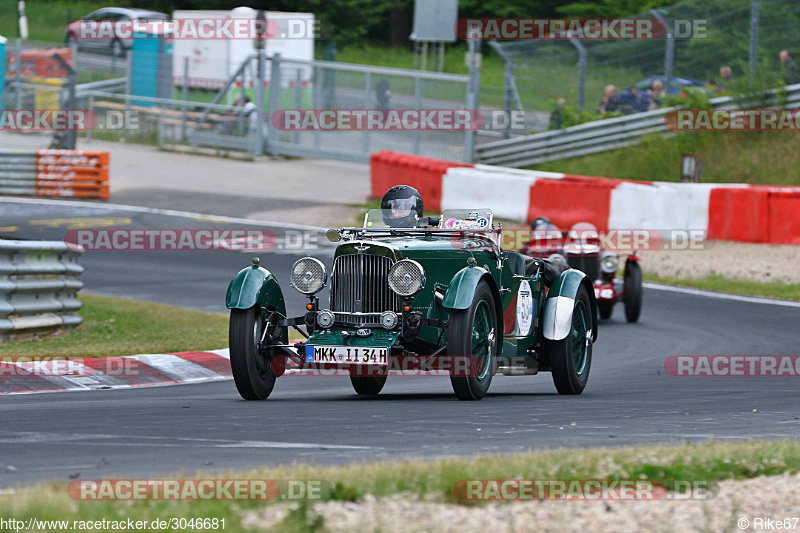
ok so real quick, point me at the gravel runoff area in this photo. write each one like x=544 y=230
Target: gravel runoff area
x=735 y=260
x=736 y=506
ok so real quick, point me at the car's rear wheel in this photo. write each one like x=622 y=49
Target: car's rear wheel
x=606 y=309
x=472 y=333
x=633 y=291
x=368 y=385
x=571 y=357
x=252 y=372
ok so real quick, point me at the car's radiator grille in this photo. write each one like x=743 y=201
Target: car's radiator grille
x=360 y=285
x=589 y=264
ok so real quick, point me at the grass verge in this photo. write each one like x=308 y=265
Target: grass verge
x=765 y=158
x=47 y=21
x=119 y=326
x=432 y=480
x=716 y=283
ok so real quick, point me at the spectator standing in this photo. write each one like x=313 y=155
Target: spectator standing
x=610 y=102
x=726 y=77
x=250 y=111
x=557 y=116
x=657 y=95
x=791 y=74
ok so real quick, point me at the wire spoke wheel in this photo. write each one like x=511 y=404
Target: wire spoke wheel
x=571 y=357
x=471 y=335
x=252 y=372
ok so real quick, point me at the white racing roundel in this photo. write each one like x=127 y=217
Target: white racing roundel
x=524 y=308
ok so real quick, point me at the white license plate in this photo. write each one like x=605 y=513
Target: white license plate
x=350 y=355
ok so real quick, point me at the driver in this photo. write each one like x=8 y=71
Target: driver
x=401 y=207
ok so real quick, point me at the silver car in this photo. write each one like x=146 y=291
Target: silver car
x=116 y=24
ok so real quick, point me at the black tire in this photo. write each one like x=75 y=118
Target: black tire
x=570 y=375
x=633 y=292
x=117 y=48
x=252 y=373
x=606 y=309
x=460 y=343
x=368 y=385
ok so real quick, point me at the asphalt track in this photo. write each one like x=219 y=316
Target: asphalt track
x=158 y=431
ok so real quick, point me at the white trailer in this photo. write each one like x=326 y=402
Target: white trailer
x=213 y=61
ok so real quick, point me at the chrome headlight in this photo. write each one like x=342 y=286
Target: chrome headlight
x=308 y=275
x=406 y=277
x=609 y=263
x=325 y=319
x=389 y=319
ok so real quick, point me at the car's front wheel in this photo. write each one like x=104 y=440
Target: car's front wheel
x=472 y=339
x=252 y=372
x=633 y=291
x=571 y=357
x=368 y=385
x=606 y=309
x=117 y=49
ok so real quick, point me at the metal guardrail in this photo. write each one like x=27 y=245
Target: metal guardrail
x=602 y=135
x=38 y=287
x=82 y=89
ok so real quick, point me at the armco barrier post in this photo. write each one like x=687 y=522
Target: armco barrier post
x=2 y=71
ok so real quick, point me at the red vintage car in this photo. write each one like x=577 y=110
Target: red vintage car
x=581 y=248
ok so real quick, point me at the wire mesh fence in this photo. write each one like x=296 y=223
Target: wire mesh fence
x=703 y=37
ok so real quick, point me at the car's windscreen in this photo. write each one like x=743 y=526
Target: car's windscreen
x=391 y=218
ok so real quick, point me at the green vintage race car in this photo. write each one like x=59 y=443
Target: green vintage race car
x=429 y=293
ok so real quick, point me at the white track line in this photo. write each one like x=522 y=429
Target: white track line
x=166 y=212
x=721 y=295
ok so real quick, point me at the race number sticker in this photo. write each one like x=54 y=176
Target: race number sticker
x=524 y=309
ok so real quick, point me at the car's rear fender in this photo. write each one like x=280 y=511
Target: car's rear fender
x=461 y=290
x=561 y=302
x=255 y=285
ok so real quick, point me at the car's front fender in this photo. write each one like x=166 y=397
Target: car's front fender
x=461 y=290
x=255 y=285
x=561 y=302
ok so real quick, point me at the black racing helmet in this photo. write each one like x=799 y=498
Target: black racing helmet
x=401 y=207
x=541 y=223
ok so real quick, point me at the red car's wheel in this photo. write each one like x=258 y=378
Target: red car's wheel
x=633 y=291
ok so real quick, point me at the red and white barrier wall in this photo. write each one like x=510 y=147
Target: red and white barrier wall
x=736 y=212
